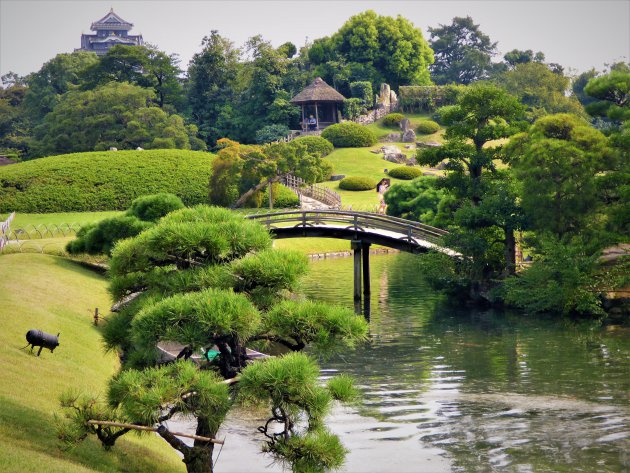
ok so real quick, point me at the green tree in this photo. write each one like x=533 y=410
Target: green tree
x=61 y=74
x=15 y=127
x=463 y=53
x=262 y=101
x=556 y=163
x=211 y=282
x=562 y=279
x=540 y=89
x=482 y=114
x=416 y=200
x=211 y=87
x=612 y=92
x=113 y=115
x=578 y=85
x=375 y=48
x=516 y=56
x=145 y=66
x=241 y=172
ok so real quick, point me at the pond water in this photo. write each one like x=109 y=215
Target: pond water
x=464 y=390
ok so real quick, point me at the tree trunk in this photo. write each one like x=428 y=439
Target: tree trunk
x=199 y=458
x=510 y=252
x=242 y=199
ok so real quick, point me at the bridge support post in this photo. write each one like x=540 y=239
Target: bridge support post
x=365 y=250
x=356 y=247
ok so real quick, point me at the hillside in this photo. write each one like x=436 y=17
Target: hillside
x=55 y=295
x=105 y=180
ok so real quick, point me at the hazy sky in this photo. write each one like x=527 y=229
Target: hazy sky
x=576 y=34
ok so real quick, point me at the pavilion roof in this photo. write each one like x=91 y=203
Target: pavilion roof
x=111 y=21
x=318 y=91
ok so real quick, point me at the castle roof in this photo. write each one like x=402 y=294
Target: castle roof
x=318 y=91
x=111 y=21
x=114 y=39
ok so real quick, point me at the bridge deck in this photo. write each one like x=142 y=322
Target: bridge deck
x=378 y=229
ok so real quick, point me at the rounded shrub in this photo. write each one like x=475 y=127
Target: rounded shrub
x=357 y=183
x=283 y=197
x=405 y=172
x=393 y=119
x=427 y=127
x=349 y=135
x=100 y=238
x=151 y=208
x=327 y=170
x=316 y=145
x=439 y=114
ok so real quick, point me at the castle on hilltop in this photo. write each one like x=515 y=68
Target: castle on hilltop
x=110 y=31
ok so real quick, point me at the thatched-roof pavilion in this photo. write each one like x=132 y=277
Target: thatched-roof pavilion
x=320 y=101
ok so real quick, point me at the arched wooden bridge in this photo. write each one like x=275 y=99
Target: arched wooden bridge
x=362 y=229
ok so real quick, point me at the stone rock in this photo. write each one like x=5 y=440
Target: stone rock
x=441 y=166
x=408 y=146
x=337 y=177
x=405 y=124
x=113 y=148
x=139 y=149
x=390 y=149
x=384 y=96
x=391 y=138
x=393 y=154
x=409 y=136
x=396 y=158
x=375 y=151
x=428 y=144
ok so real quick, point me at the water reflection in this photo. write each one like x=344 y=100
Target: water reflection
x=486 y=390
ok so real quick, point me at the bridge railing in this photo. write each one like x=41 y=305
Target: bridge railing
x=319 y=193
x=357 y=221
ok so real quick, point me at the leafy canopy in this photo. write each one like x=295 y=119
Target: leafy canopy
x=556 y=163
x=462 y=51
x=375 y=48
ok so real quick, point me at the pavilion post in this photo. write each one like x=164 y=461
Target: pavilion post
x=304 y=128
x=316 y=116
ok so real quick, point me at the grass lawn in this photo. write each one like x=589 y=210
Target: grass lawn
x=312 y=246
x=21 y=220
x=362 y=162
x=49 y=246
x=381 y=131
x=55 y=295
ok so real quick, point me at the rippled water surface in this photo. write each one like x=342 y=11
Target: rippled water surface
x=467 y=390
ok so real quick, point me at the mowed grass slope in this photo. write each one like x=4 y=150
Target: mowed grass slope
x=55 y=295
x=363 y=162
x=105 y=180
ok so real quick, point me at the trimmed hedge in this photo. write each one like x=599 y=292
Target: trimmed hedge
x=427 y=127
x=393 y=119
x=103 y=180
x=405 y=172
x=349 y=135
x=357 y=183
x=316 y=145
